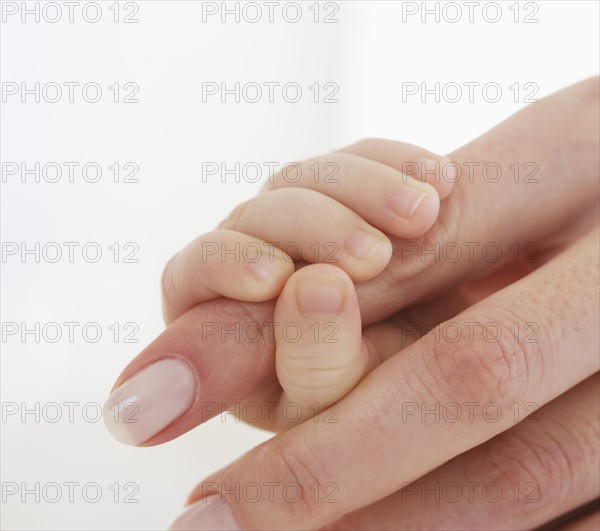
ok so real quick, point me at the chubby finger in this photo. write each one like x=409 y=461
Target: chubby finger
x=223 y=263
x=312 y=227
x=385 y=197
x=413 y=161
x=382 y=341
x=322 y=356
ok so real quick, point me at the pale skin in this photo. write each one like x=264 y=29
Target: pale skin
x=375 y=368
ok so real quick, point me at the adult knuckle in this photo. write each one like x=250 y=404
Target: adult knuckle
x=527 y=470
x=477 y=368
x=295 y=464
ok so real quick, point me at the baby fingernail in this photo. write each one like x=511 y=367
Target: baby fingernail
x=405 y=201
x=364 y=246
x=449 y=171
x=211 y=513
x=150 y=400
x=319 y=297
x=264 y=270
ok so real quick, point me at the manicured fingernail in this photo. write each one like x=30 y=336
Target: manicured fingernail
x=321 y=296
x=150 y=400
x=405 y=201
x=211 y=513
x=364 y=246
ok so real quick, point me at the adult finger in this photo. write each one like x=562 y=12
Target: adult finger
x=590 y=522
x=542 y=468
x=210 y=358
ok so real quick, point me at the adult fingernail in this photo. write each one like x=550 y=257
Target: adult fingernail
x=210 y=513
x=364 y=246
x=320 y=296
x=150 y=400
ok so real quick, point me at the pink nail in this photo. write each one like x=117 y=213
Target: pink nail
x=210 y=513
x=150 y=400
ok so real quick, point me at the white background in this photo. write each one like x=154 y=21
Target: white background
x=169 y=133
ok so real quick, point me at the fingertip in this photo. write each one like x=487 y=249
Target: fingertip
x=439 y=172
x=150 y=400
x=319 y=296
x=424 y=216
x=315 y=291
x=268 y=275
x=324 y=269
x=370 y=252
x=449 y=172
x=414 y=208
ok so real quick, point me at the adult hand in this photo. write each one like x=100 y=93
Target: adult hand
x=431 y=373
